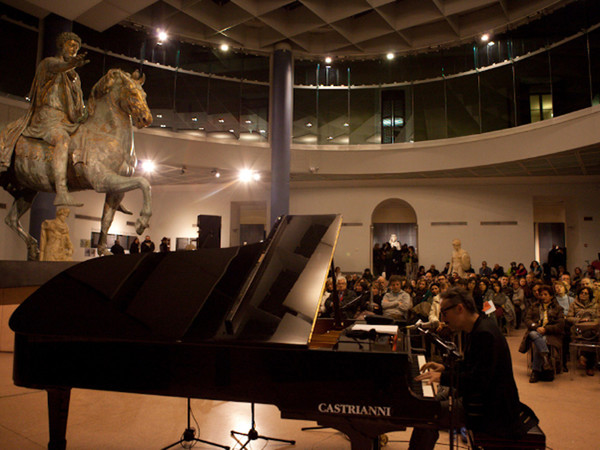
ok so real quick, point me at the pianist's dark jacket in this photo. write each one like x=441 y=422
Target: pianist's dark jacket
x=486 y=383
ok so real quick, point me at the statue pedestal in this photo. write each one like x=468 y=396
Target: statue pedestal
x=18 y=280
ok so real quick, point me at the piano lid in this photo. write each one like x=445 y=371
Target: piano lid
x=267 y=292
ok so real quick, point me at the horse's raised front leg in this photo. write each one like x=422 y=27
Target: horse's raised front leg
x=115 y=184
x=111 y=204
x=20 y=206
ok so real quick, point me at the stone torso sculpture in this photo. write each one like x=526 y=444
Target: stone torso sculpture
x=461 y=261
x=55 y=242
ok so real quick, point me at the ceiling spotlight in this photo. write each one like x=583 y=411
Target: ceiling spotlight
x=390 y=56
x=215 y=173
x=328 y=60
x=346 y=124
x=221 y=120
x=162 y=36
x=194 y=119
x=485 y=37
x=308 y=125
x=148 y=166
x=245 y=175
x=491 y=44
x=248 y=121
x=256 y=176
x=224 y=47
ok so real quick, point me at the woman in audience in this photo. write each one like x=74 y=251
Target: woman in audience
x=421 y=292
x=545 y=326
x=564 y=300
x=535 y=269
x=505 y=313
x=585 y=308
x=367 y=275
x=577 y=276
x=521 y=270
x=518 y=300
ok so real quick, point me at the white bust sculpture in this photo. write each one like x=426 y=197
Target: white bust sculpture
x=55 y=243
x=394 y=242
x=461 y=261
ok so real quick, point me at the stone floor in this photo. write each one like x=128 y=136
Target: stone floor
x=569 y=412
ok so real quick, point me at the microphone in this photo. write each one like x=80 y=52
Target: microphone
x=415 y=325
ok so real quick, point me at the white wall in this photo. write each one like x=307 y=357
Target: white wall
x=485 y=201
x=175 y=209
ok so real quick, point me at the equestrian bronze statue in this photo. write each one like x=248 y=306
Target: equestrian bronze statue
x=59 y=146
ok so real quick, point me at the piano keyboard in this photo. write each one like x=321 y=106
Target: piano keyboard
x=420 y=387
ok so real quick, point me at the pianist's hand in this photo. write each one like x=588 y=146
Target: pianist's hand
x=431 y=372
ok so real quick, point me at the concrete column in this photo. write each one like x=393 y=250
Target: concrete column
x=282 y=106
x=43 y=206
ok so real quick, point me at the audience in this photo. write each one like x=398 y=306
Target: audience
x=541 y=301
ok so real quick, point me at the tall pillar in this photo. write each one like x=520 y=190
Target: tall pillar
x=43 y=206
x=282 y=83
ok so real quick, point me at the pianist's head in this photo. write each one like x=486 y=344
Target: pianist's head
x=458 y=309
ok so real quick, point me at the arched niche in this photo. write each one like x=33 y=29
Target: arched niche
x=393 y=216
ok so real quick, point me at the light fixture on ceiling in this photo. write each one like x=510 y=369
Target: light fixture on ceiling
x=162 y=36
x=328 y=60
x=491 y=44
x=224 y=47
x=147 y=166
x=485 y=37
x=308 y=124
x=390 y=56
x=221 y=120
x=215 y=173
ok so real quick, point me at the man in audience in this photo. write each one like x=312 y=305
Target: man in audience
x=505 y=287
x=396 y=303
x=485 y=270
x=566 y=278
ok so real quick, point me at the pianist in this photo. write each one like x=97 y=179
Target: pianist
x=486 y=386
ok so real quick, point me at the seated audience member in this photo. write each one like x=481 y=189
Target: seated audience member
x=545 y=326
x=367 y=275
x=590 y=272
x=505 y=286
x=535 y=269
x=585 y=308
x=566 y=278
x=577 y=276
x=421 y=292
x=521 y=270
x=518 y=301
x=485 y=270
x=345 y=295
x=512 y=270
x=433 y=271
x=504 y=313
x=446 y=269
x=324 y=309
x=396 y=303
x=360 y=303
x=563 y=298
x=498 y=270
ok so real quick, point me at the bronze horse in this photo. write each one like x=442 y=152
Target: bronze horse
x=101 y=157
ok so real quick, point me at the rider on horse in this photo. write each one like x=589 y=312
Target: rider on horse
x=55 y=113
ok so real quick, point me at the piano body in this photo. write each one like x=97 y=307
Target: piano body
x=230 y=324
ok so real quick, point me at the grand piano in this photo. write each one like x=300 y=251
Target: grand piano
x=234 y=324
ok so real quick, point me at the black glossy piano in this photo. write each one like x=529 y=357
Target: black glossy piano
x=233 y=324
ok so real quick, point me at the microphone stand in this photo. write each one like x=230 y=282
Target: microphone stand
x=451 y=357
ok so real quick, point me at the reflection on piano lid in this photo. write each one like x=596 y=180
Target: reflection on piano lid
x=262 y=292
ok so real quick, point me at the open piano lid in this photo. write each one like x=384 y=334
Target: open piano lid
x=268 y=292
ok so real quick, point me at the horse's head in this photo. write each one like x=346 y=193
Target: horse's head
x=129 y=95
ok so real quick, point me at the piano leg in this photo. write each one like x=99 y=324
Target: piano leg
x=58 y=413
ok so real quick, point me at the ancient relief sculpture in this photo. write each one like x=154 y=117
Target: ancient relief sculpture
x=55 y=242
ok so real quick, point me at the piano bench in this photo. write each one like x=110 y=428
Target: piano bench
x=535 y=439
